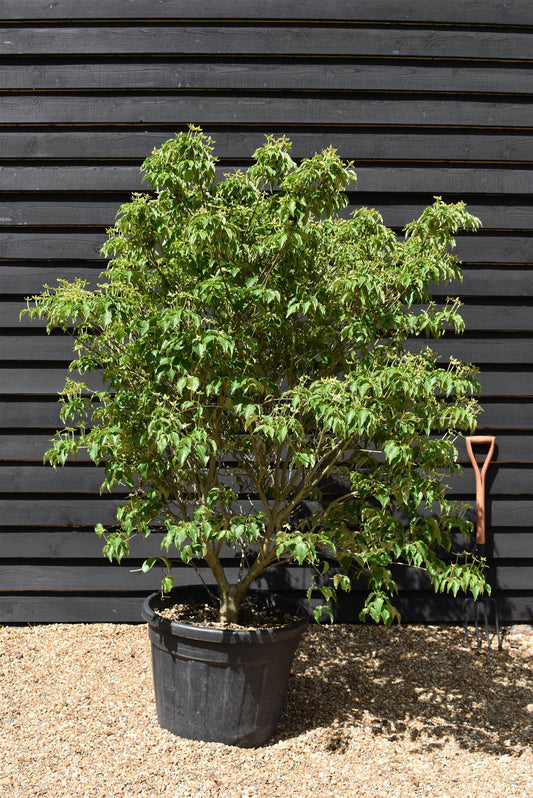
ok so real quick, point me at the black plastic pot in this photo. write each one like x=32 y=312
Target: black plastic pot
x=218 y=685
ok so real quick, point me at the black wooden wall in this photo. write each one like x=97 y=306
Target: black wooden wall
x=427 y=97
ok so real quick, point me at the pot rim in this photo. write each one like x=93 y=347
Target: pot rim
x=216 y=634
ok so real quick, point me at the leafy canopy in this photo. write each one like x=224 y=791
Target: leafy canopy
x=259 y=388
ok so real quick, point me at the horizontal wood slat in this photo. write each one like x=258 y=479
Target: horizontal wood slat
x=416 y=607
x=31 y=479
x=112 y=577
x=359 y=143
x=26 y=447
x=96 y=577
x=77 y=512
x=500 y=416
x=68 y=544
x=82 y=245
x=423 y=607
x=500 y=383
x=506 y=351
x=32 y=415
x=500 y=480
x=90 y=212
x=36 y=348
x=75 y=544
x=510 y=449
x=517 y=12
x=68 y=608
x=47 y=382
x=487 y=318
x=498 y=318
x=326 y=76
x=44 y=246
x=28 y=280
x=40 y=382
x=71 y=109
x=511 y=545
x=493 y=217
x=58 y=512
x=376 y=179
x=477 y=282
x=490 y=283
x=216 y=40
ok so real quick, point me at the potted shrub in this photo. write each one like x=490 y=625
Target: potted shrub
x=255 y=350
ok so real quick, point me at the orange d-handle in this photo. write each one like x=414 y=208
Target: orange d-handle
x=480 y=480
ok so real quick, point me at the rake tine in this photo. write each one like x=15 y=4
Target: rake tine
x=483 y=605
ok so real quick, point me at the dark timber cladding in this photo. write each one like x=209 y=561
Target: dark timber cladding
x=427 y=97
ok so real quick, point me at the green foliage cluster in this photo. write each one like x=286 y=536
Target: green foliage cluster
x=254 y=347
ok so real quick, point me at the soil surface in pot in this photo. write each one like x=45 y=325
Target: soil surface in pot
x=250 y=617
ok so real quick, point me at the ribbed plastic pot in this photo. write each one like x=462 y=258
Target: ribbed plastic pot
x=218 y=685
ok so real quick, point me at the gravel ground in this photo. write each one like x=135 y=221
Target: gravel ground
x=370 y=713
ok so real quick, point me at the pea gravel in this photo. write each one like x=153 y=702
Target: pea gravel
x=370 y=713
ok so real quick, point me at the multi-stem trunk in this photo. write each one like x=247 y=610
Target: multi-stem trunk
x=231 y=598
x=232 y=595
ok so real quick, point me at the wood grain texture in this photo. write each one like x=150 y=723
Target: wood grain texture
x=84 y=245
x=497 y=350
x=490 y=283
x=40 y=381
x=16 y=479
x=68 y=608
x=391 y=144
x=44 y=479
x=497 y=318
x=22 y=415
x=27 y=448
x=54 y=211
x=379 y=179
x=84 y=544
x=296 y=75
x=500 y=383
x=226 y=109
x=58 y=511
x=415 y=607
x=28 y=280
x=126 y=577
x=517 y=12
x=511 y=449
x=262 y=39
x=512 y=12
x=507 y=416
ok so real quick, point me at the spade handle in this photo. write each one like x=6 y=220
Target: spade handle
x=480 y=480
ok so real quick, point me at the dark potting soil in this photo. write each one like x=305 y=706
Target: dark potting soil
x=250 y=617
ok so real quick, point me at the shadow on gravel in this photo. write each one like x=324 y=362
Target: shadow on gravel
x=417 y=683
